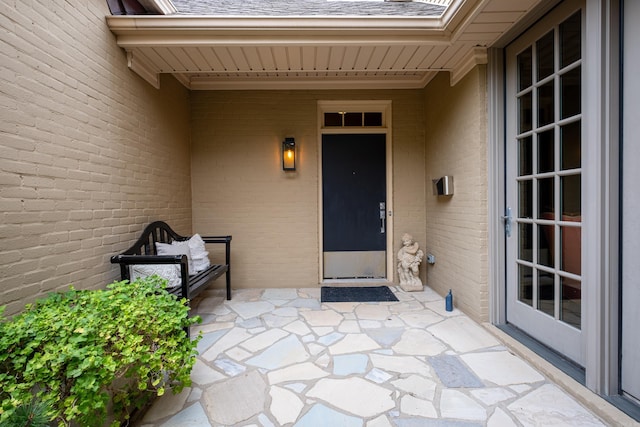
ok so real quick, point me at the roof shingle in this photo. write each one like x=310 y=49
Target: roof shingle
x=306 y=8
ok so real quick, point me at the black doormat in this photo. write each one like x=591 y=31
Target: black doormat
x=356 y=294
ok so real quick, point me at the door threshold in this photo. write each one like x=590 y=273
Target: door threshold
x=628 y=405
x=356 y=282
x=614 y=410
x=567 y=366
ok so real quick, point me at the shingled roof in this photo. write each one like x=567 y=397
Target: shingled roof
x=307 y=8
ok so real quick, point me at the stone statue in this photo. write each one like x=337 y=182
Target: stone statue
x=409 y=259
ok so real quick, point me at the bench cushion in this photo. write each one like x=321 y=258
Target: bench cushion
x=171 y=272
x=176 y=248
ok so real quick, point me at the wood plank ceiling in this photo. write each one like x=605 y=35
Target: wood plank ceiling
x=217 y=52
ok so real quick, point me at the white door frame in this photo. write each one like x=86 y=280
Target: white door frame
x=383 y=106
x=630 y=246
x=600 y=189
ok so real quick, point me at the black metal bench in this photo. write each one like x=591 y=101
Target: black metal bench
x=144 y=251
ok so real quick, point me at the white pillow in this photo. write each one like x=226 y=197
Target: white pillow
x=176 y=248
x=199 y=253
x=196 y=245
x=202 y=263
x=171 y=272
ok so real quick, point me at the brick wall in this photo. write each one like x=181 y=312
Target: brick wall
x=457 y=232
x=89 y=154
x=239 y=187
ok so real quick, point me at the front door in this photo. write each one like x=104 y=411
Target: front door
x=543 y=181
x=354 y=206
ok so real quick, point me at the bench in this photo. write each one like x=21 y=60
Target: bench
x=144 y=251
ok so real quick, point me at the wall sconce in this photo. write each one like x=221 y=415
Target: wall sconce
x=289 y=154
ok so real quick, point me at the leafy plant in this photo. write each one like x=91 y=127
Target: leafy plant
x=77 y=351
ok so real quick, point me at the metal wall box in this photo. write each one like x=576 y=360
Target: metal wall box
x=443 y=186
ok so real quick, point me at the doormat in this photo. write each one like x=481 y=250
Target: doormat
x=356 y=294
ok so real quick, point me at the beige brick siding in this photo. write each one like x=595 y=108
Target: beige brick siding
x=239 y=187
x=457 y=233
x=90 y=153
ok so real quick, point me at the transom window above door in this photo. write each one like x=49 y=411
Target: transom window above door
x=352 y=119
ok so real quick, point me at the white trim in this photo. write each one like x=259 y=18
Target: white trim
x=292 y=83
x=176 y=27
x=448 y=39
x=600 y=196
x=386 y=128
x=630 y=206
x=495 y=156
x=143 y=69
x=476 y=56
x=436 y=2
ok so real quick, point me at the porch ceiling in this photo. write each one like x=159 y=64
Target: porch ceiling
x=315 y=52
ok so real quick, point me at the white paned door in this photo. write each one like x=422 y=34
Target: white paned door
x=544 y=181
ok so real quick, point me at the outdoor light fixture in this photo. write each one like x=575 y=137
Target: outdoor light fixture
x=289 y=154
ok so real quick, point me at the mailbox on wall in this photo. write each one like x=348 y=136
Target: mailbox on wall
x=443 y=186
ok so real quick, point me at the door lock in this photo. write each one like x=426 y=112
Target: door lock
x=383 y=217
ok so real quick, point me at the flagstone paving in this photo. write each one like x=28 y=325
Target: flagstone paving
x=279 y=357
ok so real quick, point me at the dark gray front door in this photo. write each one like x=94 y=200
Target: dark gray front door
x=354 y=205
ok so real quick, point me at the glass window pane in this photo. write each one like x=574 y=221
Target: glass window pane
x=570 y=93
x=571 y=301
x=546 y=152
x=570 y=40
x=373 y=119
x=545 y=197
x=570 y=187
x=525 y=155
x=546 y=248
x=353 y=119
x=525 y=284
x=525 y=197
x=570 y=146
x=525 y=69
x=546 y=292
x=571 y=245
x=546 y=104
x=525 y=112
x=544 y=52
x=332 y=119
x=526 y=242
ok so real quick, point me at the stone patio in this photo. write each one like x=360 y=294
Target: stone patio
x=278 y=357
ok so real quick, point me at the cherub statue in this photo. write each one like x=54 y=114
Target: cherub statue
x=409 y=258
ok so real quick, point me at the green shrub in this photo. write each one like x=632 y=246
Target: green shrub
x=30 y=414
x=84 y=354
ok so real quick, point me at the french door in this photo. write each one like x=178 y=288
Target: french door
x=543 y=218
